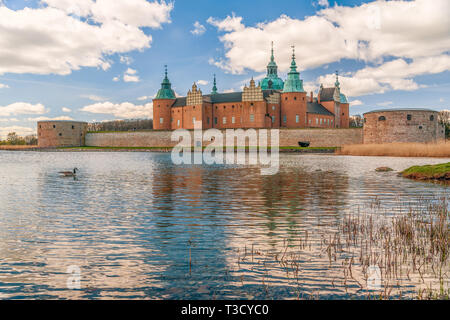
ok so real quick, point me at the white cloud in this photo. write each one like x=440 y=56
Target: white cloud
x=93 y=97
x=143 y=98
x=441 y=100
x=323 y=3
x=130 y=75
x=202 y=82
x=9 y=120
x=385 y=104
x=49 y=119
x=21 y=131
x=397 y=40
x=199 y=29
x=51 y=39
x=125 y=110
x=126 y=60
x=21 y=108
x=3 y=86
x=355 y=103
x=128 y=78
x=64 y=109
x=116 y=79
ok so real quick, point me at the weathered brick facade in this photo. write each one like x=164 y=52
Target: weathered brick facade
x=288 y=138
x=61 y=133
x=406 y=125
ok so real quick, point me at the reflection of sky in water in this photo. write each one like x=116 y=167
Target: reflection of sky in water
x=130 y=218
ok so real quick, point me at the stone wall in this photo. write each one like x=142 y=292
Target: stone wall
x=61 y=133
x=388 y=126
x=288 y=137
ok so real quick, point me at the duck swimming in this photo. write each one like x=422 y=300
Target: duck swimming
x=69 y=173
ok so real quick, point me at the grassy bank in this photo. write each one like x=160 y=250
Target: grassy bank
x=428 y=172
x=441 y=149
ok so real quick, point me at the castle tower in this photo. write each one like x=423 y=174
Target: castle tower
x=293 y=99
x=162 y=104
x=271 y=81
x=343 y=106
x=337 y=102
x=214 y=89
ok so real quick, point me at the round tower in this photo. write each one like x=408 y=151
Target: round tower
x=293 y=99
x=162 y=105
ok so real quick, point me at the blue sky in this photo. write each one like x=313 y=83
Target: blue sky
x=87 y=60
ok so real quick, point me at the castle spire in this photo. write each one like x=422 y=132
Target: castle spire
x=214 y=89
x=293 y=82
x=166 y=91
x=337 y=84
x=271 y=81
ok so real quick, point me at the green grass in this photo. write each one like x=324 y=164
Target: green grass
x=430 y=170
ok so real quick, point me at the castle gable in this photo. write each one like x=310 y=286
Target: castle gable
x=194 y=97
x=252 y=93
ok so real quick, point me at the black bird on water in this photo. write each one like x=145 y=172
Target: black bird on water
x=69 y=173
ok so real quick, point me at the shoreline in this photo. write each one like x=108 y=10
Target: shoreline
x=298 y=150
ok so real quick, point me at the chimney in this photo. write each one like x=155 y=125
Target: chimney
x=318 y=97
x=311 y=96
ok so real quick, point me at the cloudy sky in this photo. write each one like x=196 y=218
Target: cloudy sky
x=99 y=60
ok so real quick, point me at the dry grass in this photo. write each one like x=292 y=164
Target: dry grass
x=441 y=149
x=8 y=147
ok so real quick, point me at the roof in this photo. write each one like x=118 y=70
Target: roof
x=315 y=107
x=66 y=121
x=401 y=110
x=327 y=94
x=221 y=97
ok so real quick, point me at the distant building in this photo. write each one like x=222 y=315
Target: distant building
x=274 y=103
x=402 y=125
x=61 y=134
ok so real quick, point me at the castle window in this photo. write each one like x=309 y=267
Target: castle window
x=40 y=127
x=295 y=98
x=431 y=118
x=381 y=118
x=273 y=119
x=420 y=127
x=303 y=98
x=297 y=118
x=81 y=135
x=408 y=117
x=54 y=127
x=233 y=119
x=215 y=119
x=317 y=121
x=309 y=121
x=285 y=98
x=193 y=120
x=178 y=122
x=252 y=118
x=224 y=120
x=284 y=118
x=232 y=107
x=60 y=134
x=320 y=120
x=343 y=114
x=251 y=103
x=161 y=120
x=207 y=120
x=273 y=107
x=224 y=107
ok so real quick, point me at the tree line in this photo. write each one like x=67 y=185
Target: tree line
x=121 y=125
x=13 y=139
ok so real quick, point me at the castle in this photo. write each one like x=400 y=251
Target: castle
x=274 y=103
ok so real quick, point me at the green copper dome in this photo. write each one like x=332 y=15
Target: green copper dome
x=271 y=81
x=343 y=98
x=166 y=91
x=293 y=82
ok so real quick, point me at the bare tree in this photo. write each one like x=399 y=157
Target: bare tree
x=121 y=125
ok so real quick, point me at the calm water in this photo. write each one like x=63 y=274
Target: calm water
x=131 y=220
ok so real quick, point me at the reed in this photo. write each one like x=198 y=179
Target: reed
x=440 y=150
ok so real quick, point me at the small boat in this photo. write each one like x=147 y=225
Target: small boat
x=69 y=173
x=304 y=144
